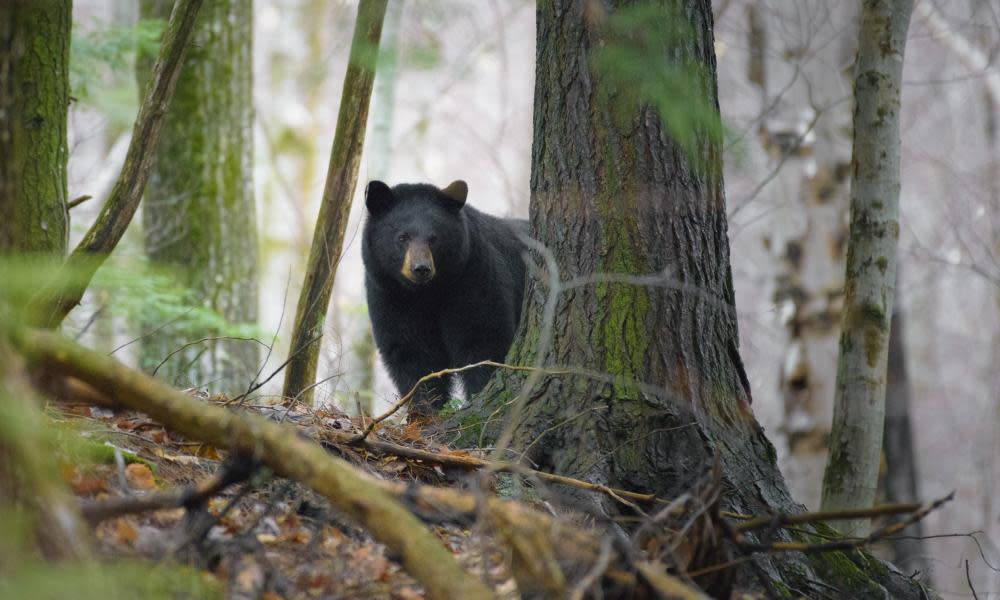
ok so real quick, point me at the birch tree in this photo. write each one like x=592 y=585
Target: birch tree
x=851 y=475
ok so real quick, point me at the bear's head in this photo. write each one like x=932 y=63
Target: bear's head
x=415 y=234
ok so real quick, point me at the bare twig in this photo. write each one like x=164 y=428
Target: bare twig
x=253 y=388
x=435 y=375
x=472 y=463
x=968 y=579
x=184 y=347
x=97 y=511
x=842 y=544
x=77 y=201
x=782 y=520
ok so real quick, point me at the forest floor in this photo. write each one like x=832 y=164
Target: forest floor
x=265 y=537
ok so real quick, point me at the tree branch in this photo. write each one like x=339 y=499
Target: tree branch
x=102 y=237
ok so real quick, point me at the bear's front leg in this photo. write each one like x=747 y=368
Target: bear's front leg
x=408 y=366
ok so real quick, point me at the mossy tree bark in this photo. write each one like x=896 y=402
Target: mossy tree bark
x=851 y=475
x=199 y=217
x=34 y=99
x=341 y=178
x=637 y=229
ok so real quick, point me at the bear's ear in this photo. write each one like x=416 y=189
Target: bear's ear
x=378 y=197
x=456 y=192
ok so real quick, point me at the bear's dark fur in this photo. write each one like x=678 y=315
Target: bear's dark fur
x=444 y=283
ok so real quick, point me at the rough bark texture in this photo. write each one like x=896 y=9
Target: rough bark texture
x=34 y=100
x=637 y=229
x=901 y=479
x=199 y=215
x=851 y=475
x=341 y=178
x=117 y=213
x=806 y=132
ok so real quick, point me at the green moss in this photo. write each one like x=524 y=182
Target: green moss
x=74 y=445
x=783 y=590
x=107 y=582
x=873 y=345
x=839 y=568
x=468 y=425
x=873 y=313
x=882 y=263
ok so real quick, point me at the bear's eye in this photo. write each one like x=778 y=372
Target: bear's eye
x=432 y=239
x=403 y=238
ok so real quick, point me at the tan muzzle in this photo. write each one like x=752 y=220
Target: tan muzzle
x=418 y=264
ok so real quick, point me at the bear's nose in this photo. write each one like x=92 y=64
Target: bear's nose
x=422 y=271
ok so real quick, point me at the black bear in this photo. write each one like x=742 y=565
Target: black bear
x=444 y=284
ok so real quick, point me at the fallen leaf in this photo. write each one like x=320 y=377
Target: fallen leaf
x=140 y=477
x=125 y=532
x=181 y=459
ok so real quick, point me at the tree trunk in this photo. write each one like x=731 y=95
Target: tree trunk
x=644 y=320
x=851 y=475
x=901 y=477
x=341 y=177
x=34 y=100
x=199 y=216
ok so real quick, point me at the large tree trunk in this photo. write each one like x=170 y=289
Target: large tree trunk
x=34 y=99
x=199 y=216
x=851 y=475
x=644 y=319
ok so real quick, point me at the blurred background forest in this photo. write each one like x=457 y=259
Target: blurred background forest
x=453 y=99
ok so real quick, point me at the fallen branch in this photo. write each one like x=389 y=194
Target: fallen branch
x=117 y=213
x=96 y=511
x=471 y=463
x=279 y=447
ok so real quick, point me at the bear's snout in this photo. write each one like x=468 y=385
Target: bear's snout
x=418 y=263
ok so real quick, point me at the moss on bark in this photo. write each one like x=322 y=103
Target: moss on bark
x=199 y=215
x=34 y=99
